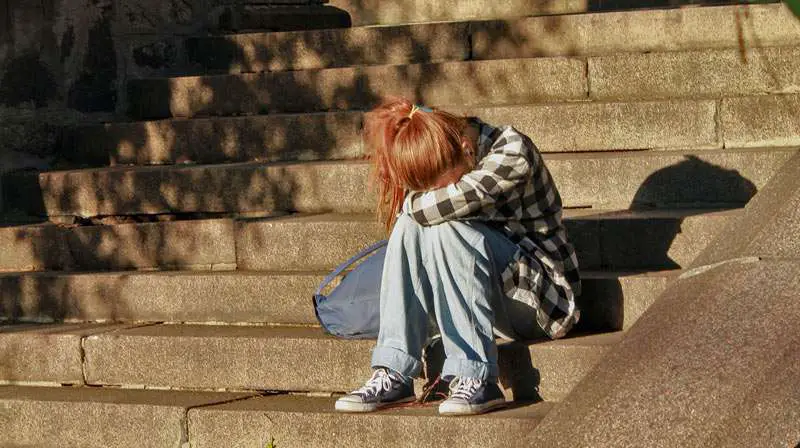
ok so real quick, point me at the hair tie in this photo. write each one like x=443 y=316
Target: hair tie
x=417 y=107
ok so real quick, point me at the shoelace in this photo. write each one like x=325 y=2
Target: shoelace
x=380 y=381
x=464 y=388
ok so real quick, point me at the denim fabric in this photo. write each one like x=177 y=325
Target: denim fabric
x=447 y=277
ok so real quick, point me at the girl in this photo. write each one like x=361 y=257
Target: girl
x=477 y=246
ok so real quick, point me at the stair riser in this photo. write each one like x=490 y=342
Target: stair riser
x=555 y=128
x=608 y=303
x=468 y=84
x=663 y=179
x=567 y=35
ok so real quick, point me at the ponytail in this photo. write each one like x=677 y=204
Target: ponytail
x=410 y=147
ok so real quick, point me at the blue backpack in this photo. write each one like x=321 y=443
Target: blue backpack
x=352 y=309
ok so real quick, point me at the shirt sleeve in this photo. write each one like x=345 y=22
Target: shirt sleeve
x=495 y=180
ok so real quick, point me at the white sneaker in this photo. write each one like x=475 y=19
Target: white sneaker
x=472 y=396
x=385 y=388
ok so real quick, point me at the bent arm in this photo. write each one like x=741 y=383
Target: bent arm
x=480 y=192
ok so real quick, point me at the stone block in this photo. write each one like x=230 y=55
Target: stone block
x=611 y=126
x=769 y=226
x=44 y=353
x=450 y=83
x=376 y=12
x=658 y=30
x=612 y=301
x=156 y=16
x=163 y=245
x=705 y=179
x=287 y=17
x=771 y=120
x=99 y=418
x=290 y=420
x=303 y=50
x=694 y=369
x=269 y=358
x=33 y=248
x=708 y=73
x=193 y=296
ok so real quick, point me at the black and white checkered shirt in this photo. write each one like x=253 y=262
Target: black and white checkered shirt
x=512 y=189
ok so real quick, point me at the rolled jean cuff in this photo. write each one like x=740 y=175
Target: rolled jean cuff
x=468 y=368
x=397 y=360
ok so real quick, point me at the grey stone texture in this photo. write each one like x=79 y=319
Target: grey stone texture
x=769 y=120
x=606 y=181
x=299 y=421
x=230 y=297
x=610 y=301
x=371 y=12
x=695 y=74
x=33 y=248
x=448 y=83
x=217 y=140
x=644 y=31
x=769 y=227
x=706 y=365
x=313 y=49
x=277 y=358
x=44 y=353
x=99 y=418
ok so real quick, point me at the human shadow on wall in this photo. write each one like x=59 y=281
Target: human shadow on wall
x=694 y=186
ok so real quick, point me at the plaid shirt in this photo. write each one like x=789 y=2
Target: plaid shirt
x=511 y=189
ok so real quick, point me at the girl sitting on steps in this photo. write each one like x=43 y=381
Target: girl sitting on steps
x=476 y=245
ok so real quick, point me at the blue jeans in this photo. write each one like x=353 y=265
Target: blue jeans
x=448 y=275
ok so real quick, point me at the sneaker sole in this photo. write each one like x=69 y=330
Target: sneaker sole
x=352 y=406
x=471 y=409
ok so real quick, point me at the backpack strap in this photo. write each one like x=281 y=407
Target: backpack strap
x=339 y=269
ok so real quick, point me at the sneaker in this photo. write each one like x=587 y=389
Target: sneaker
x=472 y=396
x=385 y=388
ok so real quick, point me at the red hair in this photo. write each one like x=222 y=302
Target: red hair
x=410 y=148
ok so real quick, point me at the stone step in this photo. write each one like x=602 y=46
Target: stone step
x=257 y=358
x=611 y=301
x=564 y=35
x=100 y=417
x=617 y=240
x=277 y=358
x=689 y=74
x=637 y=239
x=51 y=416
x=565 y=127
x=469 y=83
x=288 y=419
x=702 y=179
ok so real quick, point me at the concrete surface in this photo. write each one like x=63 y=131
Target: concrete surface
x=277 y=358
x=696 y=74
x=299 y=421
x=99 y=418
x=450 y=83
x=33 y=248
x=770 y=120
x=705 y=179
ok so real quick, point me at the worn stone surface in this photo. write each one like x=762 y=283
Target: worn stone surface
x=636 y=31
x=694 y=369
x=709 y=73
x=233 y=297
x=605 y=181
x=449 y=83
x=370 y=12
x=771 y=120
x=218 y=140
x=99 y=418
x=44 y=353
x=302 y=50
x=666 y=239
x=164 y=245
x=310 y=422
x=611 y=126
x=611 y=301
x=768 y=227
x=33 y=248
x=269 y=358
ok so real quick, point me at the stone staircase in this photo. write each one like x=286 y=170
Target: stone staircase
x=162 y=297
